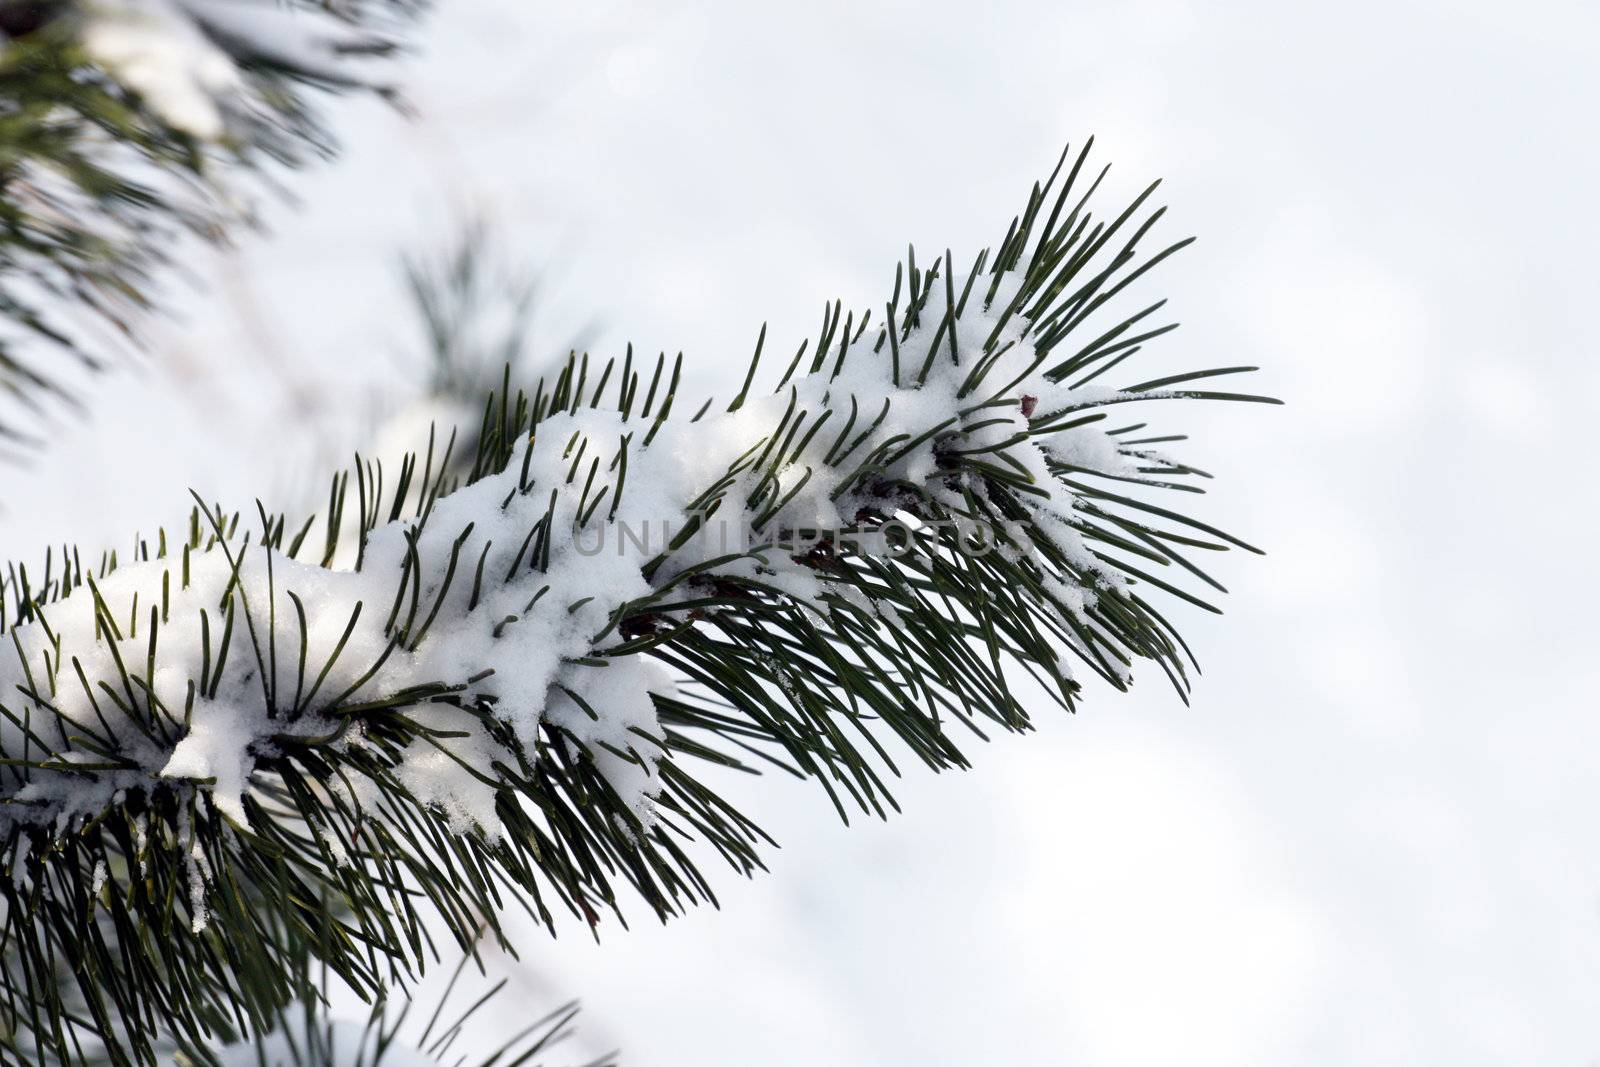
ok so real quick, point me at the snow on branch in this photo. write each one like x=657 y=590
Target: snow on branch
x=125 y=127
x=189 y=668
x=511 y=684
x=185 y=57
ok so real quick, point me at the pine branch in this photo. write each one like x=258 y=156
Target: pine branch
x=127 y=125
x=476 y=316
x=508 y=697
x=402 y=1033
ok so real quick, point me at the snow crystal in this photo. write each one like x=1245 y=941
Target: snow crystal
x=19 y=863
x=332 y=842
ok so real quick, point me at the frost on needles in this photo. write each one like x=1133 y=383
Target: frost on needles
x=505 y=696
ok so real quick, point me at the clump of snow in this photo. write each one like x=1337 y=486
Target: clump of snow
x=182 y=56
x=518 y=623
x=609 y=709
x=211 y=750
x=155 y=49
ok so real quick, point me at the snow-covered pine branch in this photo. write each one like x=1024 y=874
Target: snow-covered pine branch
x=231 y=741
x=125 y=126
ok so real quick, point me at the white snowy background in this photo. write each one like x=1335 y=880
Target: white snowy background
x=1371 y=839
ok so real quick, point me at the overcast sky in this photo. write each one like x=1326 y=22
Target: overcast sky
x=1371 y=837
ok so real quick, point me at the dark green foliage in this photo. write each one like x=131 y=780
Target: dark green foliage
x=304 y=1034
x=823 y=694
